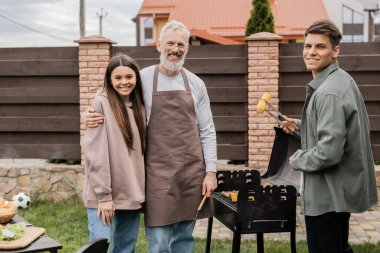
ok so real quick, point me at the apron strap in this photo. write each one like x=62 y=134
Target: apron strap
x=184 y=76
x=155 y=80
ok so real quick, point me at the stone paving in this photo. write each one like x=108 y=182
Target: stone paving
x=364 y=227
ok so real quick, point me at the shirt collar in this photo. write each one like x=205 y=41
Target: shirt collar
x=316 y=82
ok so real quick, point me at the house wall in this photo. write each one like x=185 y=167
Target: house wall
x=158 y=24
x=334 y=9
x=296 y=38
x=138 y=31
x=141 y=31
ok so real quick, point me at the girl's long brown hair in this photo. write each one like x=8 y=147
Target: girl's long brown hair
x=117 y=102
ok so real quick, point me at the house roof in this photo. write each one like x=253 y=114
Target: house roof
x=292 y=17
x=212 y=37
x=150 y=7
x=228 y=18
x=209 y=37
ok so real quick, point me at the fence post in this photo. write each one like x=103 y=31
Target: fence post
x=94 y=55
x=263 y=76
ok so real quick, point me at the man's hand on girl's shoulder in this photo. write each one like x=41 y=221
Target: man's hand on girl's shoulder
x=92 y=118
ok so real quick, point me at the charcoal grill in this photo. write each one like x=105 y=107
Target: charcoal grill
x=260 y=209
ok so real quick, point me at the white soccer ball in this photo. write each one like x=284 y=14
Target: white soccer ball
x=21 y=199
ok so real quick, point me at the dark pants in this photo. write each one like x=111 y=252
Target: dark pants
x=328 y=233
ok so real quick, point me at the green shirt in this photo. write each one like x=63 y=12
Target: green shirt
x=335 y=157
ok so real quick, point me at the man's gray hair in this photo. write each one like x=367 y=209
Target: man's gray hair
x=175 y=25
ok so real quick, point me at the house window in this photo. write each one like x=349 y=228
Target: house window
x=148 y=23
x=353 y=25
x=357 y=18
x=148 y=31
x=347 y=15
x=148 y=41
x=376 y=21
x=357 y=38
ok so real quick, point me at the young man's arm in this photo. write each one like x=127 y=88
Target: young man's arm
x=330 y=125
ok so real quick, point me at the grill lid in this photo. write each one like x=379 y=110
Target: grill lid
x=279 y=171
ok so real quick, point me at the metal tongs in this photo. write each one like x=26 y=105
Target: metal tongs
x=199 y=208
x=263 y=106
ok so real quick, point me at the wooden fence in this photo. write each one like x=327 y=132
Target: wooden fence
x=39 y=98
x=39 y=103
x=224 y=70
x=360 y=60
x=39 y=94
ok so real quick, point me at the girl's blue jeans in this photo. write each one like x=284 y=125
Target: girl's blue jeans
x=125 y=228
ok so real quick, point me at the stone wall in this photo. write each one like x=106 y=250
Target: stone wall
x=57 y=182
x=41 y=180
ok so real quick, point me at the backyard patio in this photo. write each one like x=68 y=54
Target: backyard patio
x=67 y=223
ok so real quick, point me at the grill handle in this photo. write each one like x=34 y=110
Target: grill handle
x=267 y=221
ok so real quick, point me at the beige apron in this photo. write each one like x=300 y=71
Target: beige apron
x=175 y=166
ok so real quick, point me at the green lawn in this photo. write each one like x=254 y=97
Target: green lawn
x=67 y=223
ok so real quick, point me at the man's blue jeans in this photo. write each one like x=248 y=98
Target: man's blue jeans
x=175 y=238
x=124 y=233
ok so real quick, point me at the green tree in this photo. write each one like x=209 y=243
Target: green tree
x=261 y=19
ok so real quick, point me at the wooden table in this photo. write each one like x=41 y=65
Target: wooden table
x=42 y=244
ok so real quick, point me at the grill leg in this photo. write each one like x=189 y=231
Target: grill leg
x=293 y=240
x=209 y=232
x=236 y=239
x=260 y=242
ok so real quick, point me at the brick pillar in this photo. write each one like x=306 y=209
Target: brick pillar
x=263 y=76
x=94 y=55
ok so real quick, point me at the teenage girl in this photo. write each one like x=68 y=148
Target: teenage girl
x=114 y=188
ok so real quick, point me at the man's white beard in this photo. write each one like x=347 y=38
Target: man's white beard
x=169 y=65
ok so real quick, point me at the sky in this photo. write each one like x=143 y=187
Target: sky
x=55 y=23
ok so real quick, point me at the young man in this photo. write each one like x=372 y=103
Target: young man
x=181 y=145
x=338 y=175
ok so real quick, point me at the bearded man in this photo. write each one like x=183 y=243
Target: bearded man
x=181 y=145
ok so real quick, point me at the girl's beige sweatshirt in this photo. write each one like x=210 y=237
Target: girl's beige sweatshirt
x=112 y=173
